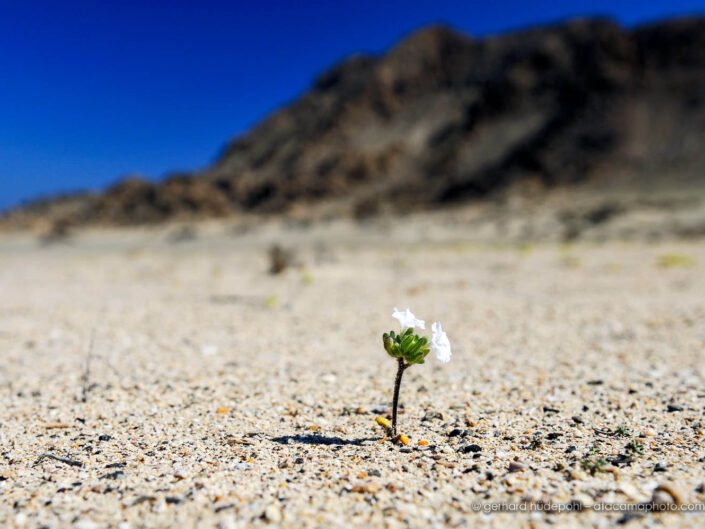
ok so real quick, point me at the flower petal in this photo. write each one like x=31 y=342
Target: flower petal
x=407 y=320
x=440 y=344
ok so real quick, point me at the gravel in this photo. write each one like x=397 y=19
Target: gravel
x=222 y=396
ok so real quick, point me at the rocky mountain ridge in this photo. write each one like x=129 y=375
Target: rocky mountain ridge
x=443 y=118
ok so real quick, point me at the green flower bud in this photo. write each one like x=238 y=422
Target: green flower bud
x=388 y=342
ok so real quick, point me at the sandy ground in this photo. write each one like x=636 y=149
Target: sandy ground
x=221 y=396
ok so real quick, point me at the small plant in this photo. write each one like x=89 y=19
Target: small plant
x=525 y=248
x=307 y=278
x=271 y=302
x=674 y=260
x=280 y=259
x=536 y=441
x=593 y=462
x=635 y=447
x=623 y=431
x=593 y=465
x=409 y=348
x=594 y=448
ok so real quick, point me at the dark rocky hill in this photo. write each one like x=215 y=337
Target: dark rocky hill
x=443 y=118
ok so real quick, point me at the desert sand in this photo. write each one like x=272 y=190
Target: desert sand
x=219 y=395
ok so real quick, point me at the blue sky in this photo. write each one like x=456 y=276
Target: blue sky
x=93 y=90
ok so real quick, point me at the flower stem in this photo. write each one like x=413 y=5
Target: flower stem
x=397 y=387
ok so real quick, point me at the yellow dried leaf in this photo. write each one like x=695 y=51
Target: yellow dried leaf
x=404 y=440
x=384 y=423
x=423 y=442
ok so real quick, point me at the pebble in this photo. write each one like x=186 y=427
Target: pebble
x=272 y=513
x=85 y=524
x=666 y=494
x=470 y=448
x=329 y=378
x=168 y=439
x=516 y=466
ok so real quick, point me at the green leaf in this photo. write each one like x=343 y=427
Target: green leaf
x=407 y=343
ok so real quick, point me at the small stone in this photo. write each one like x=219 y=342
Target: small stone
x=329 y=378
x=629 y=491
x=665 y=495
x=85 y=524
x=628 y=517
x=391 y=487
x=272 y=514
x=468 y=449
x=366 y=488
x=660 y=467
x=673 y=408
x=622 y=460
x=455 y=432
x=118 y=474
x=104 y=437
x=516 y=466
x=209 y=350
x=173 y=500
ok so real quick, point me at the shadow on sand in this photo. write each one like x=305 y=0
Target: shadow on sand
x=321 y=440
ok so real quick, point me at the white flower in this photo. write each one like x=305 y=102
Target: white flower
x=440 y=344
x=407 y=319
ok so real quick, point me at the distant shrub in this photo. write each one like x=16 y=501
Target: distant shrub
x=280 y=259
